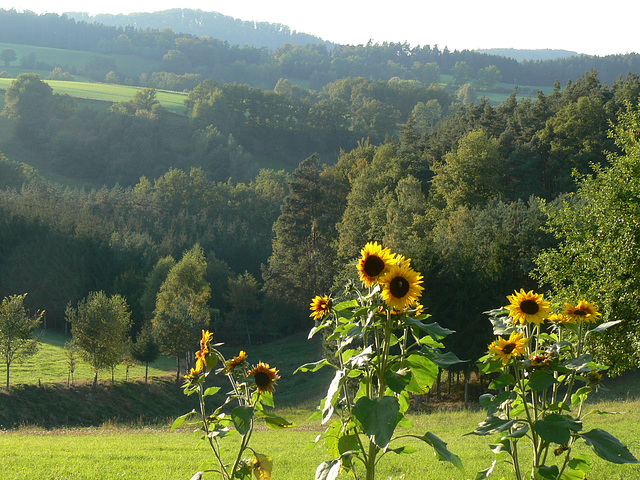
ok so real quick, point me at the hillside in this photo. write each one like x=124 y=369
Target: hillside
x=531 y=55
x=213 y=24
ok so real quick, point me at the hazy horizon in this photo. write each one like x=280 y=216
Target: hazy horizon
x=458 y=25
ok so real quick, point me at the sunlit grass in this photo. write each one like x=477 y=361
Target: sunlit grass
x=109 y=92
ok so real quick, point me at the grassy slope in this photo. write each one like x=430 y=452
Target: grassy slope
x=130 y=65
x=108 y=92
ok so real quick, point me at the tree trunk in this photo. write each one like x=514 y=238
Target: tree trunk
x=146 y=373
x=8 y=364
x=94 y=385
x=178 y=369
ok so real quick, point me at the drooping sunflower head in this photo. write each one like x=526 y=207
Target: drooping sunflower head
x=204 y=341
x=201 y=361
x=194 y=374
x=264 y=377
x=320 y=306
x=235 y=362
x=559 y=318
x=582 y=312
x=528 y=307
x=374 y=261
x=401 y=287
x=506 y=349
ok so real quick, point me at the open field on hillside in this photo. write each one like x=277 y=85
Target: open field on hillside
x=130 y=65
x=109 y=92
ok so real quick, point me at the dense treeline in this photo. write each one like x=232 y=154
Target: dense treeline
x=317 y=64
x=230 y=128
x=463 y=198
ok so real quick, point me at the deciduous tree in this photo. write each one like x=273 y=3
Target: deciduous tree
x=182 y=306
x=100 y=328
x=16 y=330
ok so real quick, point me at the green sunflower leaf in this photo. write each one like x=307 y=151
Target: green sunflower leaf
x=181 y=419
x=313 y=367
x=604 y=326
x=378 y=418
x=556 y=428
x=242 y=416
x=423 y=373
x=540 y=380
x=211 y=391
x=482 y=474
x=492 y=425
x=608 y=447
x=433 y=329
x=442 y=452
x=547 y=473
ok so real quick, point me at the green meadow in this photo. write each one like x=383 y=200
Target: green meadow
x=144 y=447
x=109 y=92
x=128 y=64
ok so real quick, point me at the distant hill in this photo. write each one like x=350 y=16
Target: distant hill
x=520 y=55
x=213 y=24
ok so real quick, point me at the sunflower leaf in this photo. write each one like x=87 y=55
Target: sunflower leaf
x=608 y=447
x=314 y=366
x=442 y=452
x=332 y=395
x=378 y=418
x=444 y=360
x=328 y=470
x=482 y=474
x=541 y=380
x=242 y=416
x=424 y=372
x=604 y=326
x=433 y=329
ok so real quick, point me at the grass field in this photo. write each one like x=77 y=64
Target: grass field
x=134 y=450
x=155 y=453
x=130 y=65
x=109 y=92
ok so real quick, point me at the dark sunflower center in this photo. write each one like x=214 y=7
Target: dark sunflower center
x=262 y=379
x=508 y=348
x=399 y=287
x=580 y=312
x=530 y=307
x=373 y=266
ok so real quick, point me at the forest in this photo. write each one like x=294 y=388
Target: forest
x=284 y=166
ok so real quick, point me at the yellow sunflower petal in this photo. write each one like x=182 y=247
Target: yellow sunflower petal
x=374 y=262
x=528 y=307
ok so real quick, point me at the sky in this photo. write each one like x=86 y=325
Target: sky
x=601 y=28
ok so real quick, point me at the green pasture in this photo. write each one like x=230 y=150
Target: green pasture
x=110 y=452
x=49 y=365
x=109 y=92
x=129 y=65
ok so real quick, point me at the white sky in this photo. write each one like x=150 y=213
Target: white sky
x=595 y=28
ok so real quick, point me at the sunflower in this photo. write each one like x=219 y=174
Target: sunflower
x=264 y=377
x=583 y=312
x=401 y=287
x=232 y=363
x=560 y=318
x=528 y=307
x=261 y=465
x=201 y=360
x=505 y=349
x=204 y=342
x=320 y=306
x=193 y=374
x=374 y=261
